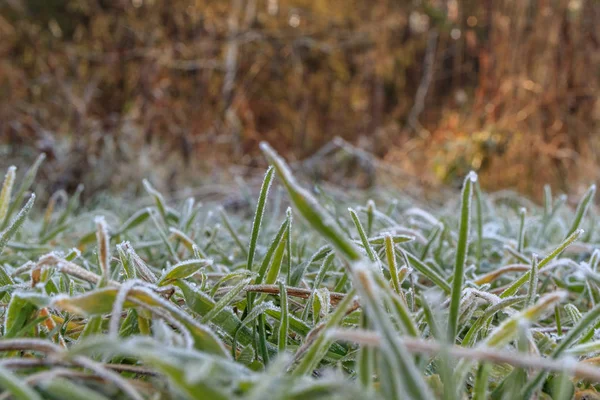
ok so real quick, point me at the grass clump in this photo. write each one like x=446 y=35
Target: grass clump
x=192 y=301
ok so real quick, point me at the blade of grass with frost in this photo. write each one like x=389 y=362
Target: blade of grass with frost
x=16 y=223
x=586 y=322
x=365 y=358
x=363 y=236
x=573 y=312
x=461 y=256
x=509 y=328
x=250 y=319
x=72 y=205
x=28 y=180
x=187 y=241
x=431 y=240
x=262 y=340
x=479 y=209
x=392 y=265
x=584 y=348
x=407 y=377
x=183 y=270
x=431 y=318
x=162 y=234
x=130 y=272
x=480 y=387
x=65 y=389
x=288 y=213
x=547 y=200
x=100 y=301
x=325 y=266
x=582 y=209
x=471 y=335
x=380 y=240
x=284 y=321
x=55 y=198
x=277 y=261
x=135 y=220
x=519 y=256
x=6 y=192
x=521 y=237
x=427 y=271
x=226 y=320
x=309 y=208
x=510 y=291
x=225 y=300
x=189 y=213
x=18 y=312
x=560 y=201
x=317 y=349
x=232 y=231
x=103 y=250
x=258 y=216
x=142 y=270
x=533 y=281
x=298 y=273
x=278 y=242
x=370 y=216
x=14 y=385
x=398 y=307
x=159 y=200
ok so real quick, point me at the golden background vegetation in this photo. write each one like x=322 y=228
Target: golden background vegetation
x=116 y=90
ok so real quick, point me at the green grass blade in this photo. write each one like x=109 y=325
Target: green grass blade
x=362 y=235
x=225 y=300
x=521 y=237
x=5 y=193
x=461 y=256
x=427 y=271
x=479 y=210
x=103 y=250
x=533 y=281
x=392 y=265
x=512 y=290
x=232 y=231
x=16 y=223
x=309 y=208
x=65 y=389
x=370 y=216
x=582 y=209
x=284 y=321
x=26 y=184
x=258 y=216
x=318 y=347
x=365 y=359
x=19 y=389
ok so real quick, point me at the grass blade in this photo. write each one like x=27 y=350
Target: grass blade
x=28 y=180
x=582 y=209
x=16 y=386
x=284 y=321
x=16 y=223
x=258 y=216
x=309 y=208
x=461 y=256
x=512 y=290
x=5 y=193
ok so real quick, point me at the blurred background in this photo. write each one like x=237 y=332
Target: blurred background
x=182 y=91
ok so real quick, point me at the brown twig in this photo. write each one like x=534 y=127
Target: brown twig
x=577 y=369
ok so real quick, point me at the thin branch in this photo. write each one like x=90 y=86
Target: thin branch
x=576 y=369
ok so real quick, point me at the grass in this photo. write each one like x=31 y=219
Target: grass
x=478 y=298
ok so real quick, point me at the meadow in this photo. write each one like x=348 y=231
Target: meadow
x=299 y=295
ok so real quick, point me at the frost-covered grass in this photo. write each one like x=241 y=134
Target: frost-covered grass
x=489 y=296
